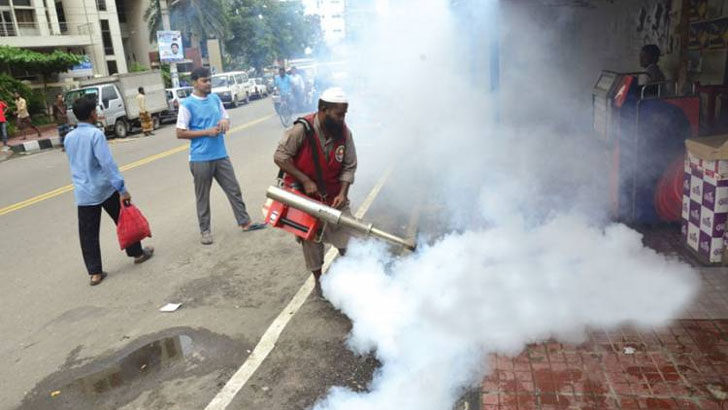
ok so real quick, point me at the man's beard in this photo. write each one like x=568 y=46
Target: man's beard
x=333 y=128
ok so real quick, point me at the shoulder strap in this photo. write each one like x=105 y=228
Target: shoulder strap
x=308 y=127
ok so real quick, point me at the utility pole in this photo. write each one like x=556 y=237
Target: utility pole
x=164 y=10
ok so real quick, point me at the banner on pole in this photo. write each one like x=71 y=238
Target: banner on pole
x=170 y=46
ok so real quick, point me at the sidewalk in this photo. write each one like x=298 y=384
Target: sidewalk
x=48 y=139
x=683 y=366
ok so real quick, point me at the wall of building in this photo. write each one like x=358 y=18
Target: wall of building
x=138 y=45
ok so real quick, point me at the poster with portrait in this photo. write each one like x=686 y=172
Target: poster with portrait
x=170 y=46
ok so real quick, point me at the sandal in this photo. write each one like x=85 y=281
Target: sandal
x=148 y=253
x=93 y=282
x=254 y=227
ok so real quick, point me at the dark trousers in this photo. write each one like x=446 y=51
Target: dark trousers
x=89 y=222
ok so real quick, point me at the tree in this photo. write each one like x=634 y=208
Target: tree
x=263 y=30
x=44 y=64
x=200 y=18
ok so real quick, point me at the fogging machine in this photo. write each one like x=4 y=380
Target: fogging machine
x=304 y=217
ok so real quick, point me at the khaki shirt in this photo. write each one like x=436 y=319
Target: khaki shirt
x=21 y=108
x=142 y=102
x=293 y=139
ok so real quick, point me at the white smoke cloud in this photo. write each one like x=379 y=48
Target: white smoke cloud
x=530 y=255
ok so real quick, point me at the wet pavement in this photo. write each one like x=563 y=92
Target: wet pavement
x=681 y=366
x=144 y=365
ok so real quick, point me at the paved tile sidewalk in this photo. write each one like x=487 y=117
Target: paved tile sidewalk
x=682 y=366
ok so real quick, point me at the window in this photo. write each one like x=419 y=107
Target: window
x=61 y=17
x=6 y=24
x=111 y=66
x=239 y=78
x=4 y=2
x=109 y=94
x=121 y=10
x=25 y=18
x=106 y=37
x=72 y=96
x=21 y=3
x=101 y=4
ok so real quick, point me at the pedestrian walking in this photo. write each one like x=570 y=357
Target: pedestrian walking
x=318 y=157
x=61 y=116
x=202 y=119
x=23 y=116
x=4 y=125
x=144 y=116
x=97 y=185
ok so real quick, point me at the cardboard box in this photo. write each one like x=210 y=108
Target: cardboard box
x=705 y=197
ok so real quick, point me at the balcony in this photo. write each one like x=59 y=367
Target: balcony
x=28 y=35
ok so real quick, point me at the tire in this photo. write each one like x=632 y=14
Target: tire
x=156 y=121
x=285 y=116
x=121 y=128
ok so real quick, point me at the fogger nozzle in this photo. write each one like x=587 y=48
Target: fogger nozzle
x=333 y=216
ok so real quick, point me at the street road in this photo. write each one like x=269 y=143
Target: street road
x=66 y=345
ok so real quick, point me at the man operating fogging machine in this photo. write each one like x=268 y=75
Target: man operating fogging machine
x=322 y=139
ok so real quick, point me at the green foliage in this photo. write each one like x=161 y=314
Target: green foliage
x=137 y=67
x=9 y=85
x=201 y=18
x=166 y=75
x=43 y=63
x=263 y=30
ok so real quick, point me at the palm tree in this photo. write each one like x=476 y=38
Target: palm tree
x=201 y=18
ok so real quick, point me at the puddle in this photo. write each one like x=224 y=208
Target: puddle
x=144 y=365
x=144 y=361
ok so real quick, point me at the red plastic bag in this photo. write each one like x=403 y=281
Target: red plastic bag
x=132 y=226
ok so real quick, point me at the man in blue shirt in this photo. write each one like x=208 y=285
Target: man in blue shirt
x=97 y=184
x=202 y=119
x=283 y=83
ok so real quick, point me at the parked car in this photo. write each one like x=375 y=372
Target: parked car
x=243 y=81
x=257 y=87
x=174 y=97
x=116 y=96
x=230 y=90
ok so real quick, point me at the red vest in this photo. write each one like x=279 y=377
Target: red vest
x=330 y=167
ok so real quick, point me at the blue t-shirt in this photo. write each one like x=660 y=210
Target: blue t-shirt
x=205 y=113
x=283 y=84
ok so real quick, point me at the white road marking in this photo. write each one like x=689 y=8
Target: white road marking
x=271 y=335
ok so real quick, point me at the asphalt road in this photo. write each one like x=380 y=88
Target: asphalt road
x=66 y=345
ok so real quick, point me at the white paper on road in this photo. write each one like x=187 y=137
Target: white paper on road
x=170 y=307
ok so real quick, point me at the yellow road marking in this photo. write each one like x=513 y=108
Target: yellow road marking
x=68 y=188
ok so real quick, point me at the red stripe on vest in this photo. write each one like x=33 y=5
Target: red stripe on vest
x=330 y=168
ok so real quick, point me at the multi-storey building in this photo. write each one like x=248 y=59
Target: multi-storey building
x=89 y=27
x=333 y=18
x=111 y=33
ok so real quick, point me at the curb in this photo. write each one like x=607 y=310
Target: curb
x=37 y=145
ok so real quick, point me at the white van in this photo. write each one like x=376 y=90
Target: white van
x=242 y=79
x=227 y=87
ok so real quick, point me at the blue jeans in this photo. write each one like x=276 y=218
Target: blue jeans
x=4 y=132
x=63 y=129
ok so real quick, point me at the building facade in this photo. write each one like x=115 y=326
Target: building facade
x=89 y=27
x=333 y=18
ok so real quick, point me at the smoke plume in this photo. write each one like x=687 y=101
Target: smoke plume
x=529 y=254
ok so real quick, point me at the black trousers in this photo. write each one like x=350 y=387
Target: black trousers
x=89 y=222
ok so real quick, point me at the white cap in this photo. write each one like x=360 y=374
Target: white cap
x=334 y=95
